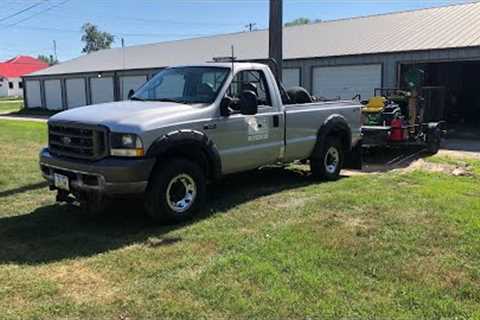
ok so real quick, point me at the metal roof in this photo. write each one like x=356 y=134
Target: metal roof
x=445 y=27
x=20 y=65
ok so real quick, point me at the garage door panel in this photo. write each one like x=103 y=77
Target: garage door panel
x=76 y=96
x=347 y=81
x=291 y=77
x=128 y=83
x=102 y=90
x=53 y=94
x=34 y=97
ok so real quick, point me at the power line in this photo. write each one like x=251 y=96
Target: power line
x=176 y=22
x=38 y=13
x=22 y=11
x=124 y=34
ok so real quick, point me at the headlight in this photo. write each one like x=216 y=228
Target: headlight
x=126 y=145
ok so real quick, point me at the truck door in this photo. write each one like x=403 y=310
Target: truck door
x=249 y=141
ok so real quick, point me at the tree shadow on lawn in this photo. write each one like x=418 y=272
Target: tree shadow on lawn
x=57 y=232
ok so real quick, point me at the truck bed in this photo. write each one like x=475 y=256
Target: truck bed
x=304 y=120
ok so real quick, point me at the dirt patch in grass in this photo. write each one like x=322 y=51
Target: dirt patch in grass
x=459 y=169
x=341 y=230
x=434 y=268
x=291 y=203
x=81 y=283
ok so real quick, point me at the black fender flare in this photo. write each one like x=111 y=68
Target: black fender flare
x=433 y=126
x=333 y=125
x=189 y=142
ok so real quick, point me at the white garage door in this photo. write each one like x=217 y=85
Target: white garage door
x=34 y=98
x=291 y=77
x=76 y=93
x=102 y=89
x=131 y=83
x=347 y=81
x=53 y=94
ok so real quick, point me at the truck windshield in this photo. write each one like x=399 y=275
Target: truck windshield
x=184 y=85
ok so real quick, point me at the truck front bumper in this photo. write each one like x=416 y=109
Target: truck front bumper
x=110 y=176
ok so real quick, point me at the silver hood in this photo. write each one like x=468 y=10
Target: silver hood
x=133 y=115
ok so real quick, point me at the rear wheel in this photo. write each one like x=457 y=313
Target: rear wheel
x=176 y=191
x=328 y=163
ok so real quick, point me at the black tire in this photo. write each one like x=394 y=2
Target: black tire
x=323 y=164
x=175 y=177
x=299 y=95
x=434 y=141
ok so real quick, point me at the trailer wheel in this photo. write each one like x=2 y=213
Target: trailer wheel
x=329 y=162
x=434 y=140
x=176 y=191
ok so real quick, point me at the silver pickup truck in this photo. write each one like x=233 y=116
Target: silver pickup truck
x=190 y=125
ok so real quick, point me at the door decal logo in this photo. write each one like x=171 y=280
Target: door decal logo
x=257 y=128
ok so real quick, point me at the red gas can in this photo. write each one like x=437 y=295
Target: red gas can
x=397 y=132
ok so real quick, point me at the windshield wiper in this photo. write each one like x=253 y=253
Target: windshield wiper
x=169 y=100
x=137 y=99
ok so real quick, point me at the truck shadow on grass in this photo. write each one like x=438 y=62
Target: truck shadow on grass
x=56 y=232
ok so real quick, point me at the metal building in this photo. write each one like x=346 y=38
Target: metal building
x=340 y=58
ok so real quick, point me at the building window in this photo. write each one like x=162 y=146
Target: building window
x=10 y=85
x=20 y=85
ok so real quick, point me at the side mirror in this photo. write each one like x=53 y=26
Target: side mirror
x=248 y=103
x=131 y=93
x=224 y=106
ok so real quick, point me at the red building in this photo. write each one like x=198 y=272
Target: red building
x=12 y=71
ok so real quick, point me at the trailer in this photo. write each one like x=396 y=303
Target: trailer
x=402 y=118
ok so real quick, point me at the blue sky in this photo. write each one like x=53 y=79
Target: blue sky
x=141 y=21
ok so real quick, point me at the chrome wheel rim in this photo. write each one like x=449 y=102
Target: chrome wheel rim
x=332 y=158
x=181 y=193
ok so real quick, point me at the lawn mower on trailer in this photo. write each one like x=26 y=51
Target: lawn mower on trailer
x=395 y=118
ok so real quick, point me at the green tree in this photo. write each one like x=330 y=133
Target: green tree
x=300 y=21
x=95 y=39
x=50 y=59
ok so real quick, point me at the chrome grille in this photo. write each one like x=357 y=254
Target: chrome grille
x=77 y=141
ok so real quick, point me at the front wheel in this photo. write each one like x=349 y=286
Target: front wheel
x=328 y=162
x=176 y=191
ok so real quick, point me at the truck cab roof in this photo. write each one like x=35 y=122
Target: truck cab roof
x=236 y=65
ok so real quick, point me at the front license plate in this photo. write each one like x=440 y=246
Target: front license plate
x=61 y=182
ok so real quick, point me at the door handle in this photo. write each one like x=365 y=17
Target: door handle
x=276 y=121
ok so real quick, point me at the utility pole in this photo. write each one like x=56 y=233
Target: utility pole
x=55 y=50
x=250 y=26
x=275 y=44
x=122 y=84
x=123 y=54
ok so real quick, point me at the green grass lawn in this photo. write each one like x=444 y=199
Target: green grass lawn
x=272 y=244
x=14 y=107
x=9 y=106
x=10 y=98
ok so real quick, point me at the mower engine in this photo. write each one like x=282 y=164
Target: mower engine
x=383 y=122
x=394 y=117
